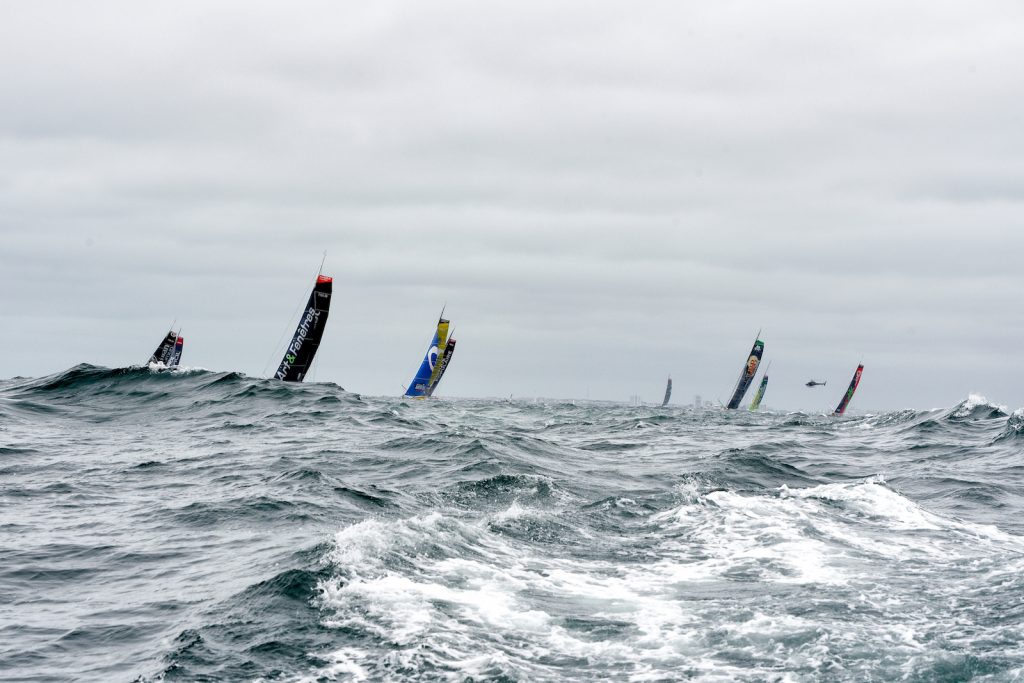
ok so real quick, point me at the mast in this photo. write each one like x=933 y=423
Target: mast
x=848 y=396
x=299 y=354
x=747 y=373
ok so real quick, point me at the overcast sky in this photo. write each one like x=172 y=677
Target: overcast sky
x=603 y=193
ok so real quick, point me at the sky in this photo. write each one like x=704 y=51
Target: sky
x=602 y=193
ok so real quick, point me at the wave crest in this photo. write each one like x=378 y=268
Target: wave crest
x=977 y=407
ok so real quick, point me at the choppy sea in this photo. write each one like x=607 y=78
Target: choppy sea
x=191 y=525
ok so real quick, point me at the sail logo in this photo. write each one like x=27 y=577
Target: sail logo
x=432 y=356
x=292 y=354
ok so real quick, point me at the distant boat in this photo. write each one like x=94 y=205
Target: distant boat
x=815 y=383
x=449 y=350
x=179 y=346
x=168 y=353
x=747 y=373
x=756 y=403
x=668 y=392
x=310 y=330
x=850 y=391
x=430 y=371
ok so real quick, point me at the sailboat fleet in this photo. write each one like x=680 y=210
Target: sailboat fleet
x=750 y=370
x=301 y=351
x=305 y=341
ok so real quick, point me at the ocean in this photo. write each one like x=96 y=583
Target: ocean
x=191 y=525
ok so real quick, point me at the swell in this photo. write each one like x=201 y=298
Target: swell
x=101 y=393
x=226 y=642
x=280 y=532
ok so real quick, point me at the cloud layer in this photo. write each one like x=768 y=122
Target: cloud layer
x=603 y=194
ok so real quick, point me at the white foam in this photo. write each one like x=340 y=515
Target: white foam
x=872 y=499
x=189 y=369
x=975 y=401
x=1016 y=420
x=344 y=662
x=456 y=597
x=159 y=367
x=445 y=599
x=514 y=511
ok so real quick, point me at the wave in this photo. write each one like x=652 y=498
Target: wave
x=234 y=644
x=501 y=490
x=507 y=595
x=497 y=541
x=109 y=392
x=1014 y=427
x=977 y=407
x=759 y=466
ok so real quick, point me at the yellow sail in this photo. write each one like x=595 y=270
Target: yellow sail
x=442 y=343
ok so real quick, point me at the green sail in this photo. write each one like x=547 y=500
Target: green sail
x=756 y=403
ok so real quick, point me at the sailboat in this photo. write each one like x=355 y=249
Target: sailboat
x=298 y=356
x=668 y=392
x=747 y=373
x=429 y=374
x=841 y=408
x=168 y=353
x=449 y=349
x=179 y=346
x=756 y=403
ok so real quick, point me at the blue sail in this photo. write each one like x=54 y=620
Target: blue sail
x=421 y=382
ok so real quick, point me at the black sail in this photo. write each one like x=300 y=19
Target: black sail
x=668 y=392
x=747 y=374
x=163 y=352
x=299 y=354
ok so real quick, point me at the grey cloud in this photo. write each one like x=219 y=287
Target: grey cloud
x=612 y=192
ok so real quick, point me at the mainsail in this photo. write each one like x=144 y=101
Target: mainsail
x=747 y=374
x=306 y=340
x=668 y=392
x=445 y=359
x=425 y=376
x=442 y=346
x=165 y=350
x=175 y=357
x=849 y=392
x=756 y=403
